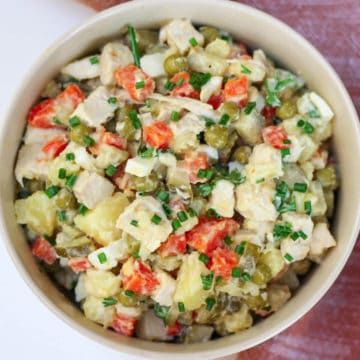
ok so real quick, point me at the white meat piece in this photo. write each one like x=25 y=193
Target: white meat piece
x=91 y=188
x=149 y=234
x=313 y=102
x=82 y=69
x=130 y=311
x=114 y=55
x=115 y=251
x=264 y=164
x=299 y=248
x=140 y=166
x=213 y=86
x=153 y=64
x=254 y=201
x=82 y=157
x=321 y=240
x=178 y=32
x=222 y=198
x=31 y=163
x=35 y=135
x=164 y=293
x=96 y=110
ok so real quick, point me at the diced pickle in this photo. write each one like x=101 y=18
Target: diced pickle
x=329 y=198
x=124 y=126
x=242 y=154
x=327 y=177
x=225 y=152
x=175 y=63
x=210 y=33
x=145 y=184
x=231 y=109
x=35 y=185
x=262 y=274
x=252 y=250
x=217 y=136
x=274 y=260
x=286 y=111
x=204 y=316
x=254 y=302
x=78 y=133
x=133 y=244
x=65 y=200
x=81 y=246
x=128 y=300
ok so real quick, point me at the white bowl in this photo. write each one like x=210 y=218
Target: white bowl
x=256 y=29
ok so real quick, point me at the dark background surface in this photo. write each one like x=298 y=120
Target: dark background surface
x=331 y=330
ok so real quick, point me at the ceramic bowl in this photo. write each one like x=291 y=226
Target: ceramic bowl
x=256 y=29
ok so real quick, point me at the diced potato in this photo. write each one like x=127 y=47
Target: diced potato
x=95 y=310
x=309 y=147
x=140 y=167
x=82 y=69
x=321 y=240
x=189 y=287
x=38 y=212
x=36 y=135
x=222 y=198
x=58 y=163
x=82 y=157
x=101 y=283
x=256 y=69
x=231 y=323
x=274 y=260
x=219 y=47
x=249 y=127
x=110 y=155
x=99 y=223
x=311 y=101
x=201 y=61
x=278 y=295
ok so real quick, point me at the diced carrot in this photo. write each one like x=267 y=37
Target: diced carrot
x=70 y=98
x=55 y=146
x=275 y=136
x=174 y=245
x=124 y=325
x=79 y=264
x=194 y=161
x=183 y=86
x=236 y=90
x=44 y=251
x=158 y=135
x=223 y=261
x=43 y=114
x=114 y=140
x=174 y=329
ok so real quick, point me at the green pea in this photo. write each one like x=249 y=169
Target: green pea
x=242 y=154
x=327 y=178
x=146 y=183
x=210 y=33
x=175 y=63
x=217 y=136
x=262 y=274
x=286 y=111
x=65 y=200
x=79 y=132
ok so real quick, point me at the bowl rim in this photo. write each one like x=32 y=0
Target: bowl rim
x=200 y=349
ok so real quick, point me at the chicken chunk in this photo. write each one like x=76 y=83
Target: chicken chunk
x=90 y=188
x=153 y=64
x=222 y=198
x=321 y=240
x=165 y=291
x=86 y=68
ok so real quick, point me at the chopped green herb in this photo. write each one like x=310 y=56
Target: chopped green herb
x=240 y=248
x=176 y=224
x=148 y=103
x=208 y=121
x=300 y=123
x=192 y=212
x=181 y=306
x=74 y=121
x=302 y=235
x=140 y=85
x=109 y=301
x=102 y=258
x=61 y=215
x=285 y=152
x=228 y=240
x=70 y=181
x=205 y=189
x=156 y=219
x=281 y=231
x=236 y=272
x=89 y=141
x=94 y=60
x=204 y=258
x=70 y=156
x=295 y=235
x=49 y=239
x=111 y=170
x=134 y=223
x=218 y=280
x=210 y=302
x=205 y=173
x=193 y=41
x=175 y=116
x=235 y=177
x=245 y=276
x=182 y=216
x=300 y=187
x=261 y=180
x=287 y=141
x=169 y=85
x=180 y=82
x=136 y=255
x=167 y=210
x=250 y=106
x=163 y=196
x=308 y=128
x=129 y=293
x=307 y=207
x=207 y=281
x=51 y=191
x=134 y=45
x=245 y=69
x=62 y=173
x=112 y=100
x=224 y=119
x=314 y=114
x=213 y=214
x=288 y=257
x=57 y=121
x=134 y=119
x=82 y=210
x=161 y=312
x=276 y=121
x=146 y=153
x=291 y=206
x=197 y=80
x=267 y=308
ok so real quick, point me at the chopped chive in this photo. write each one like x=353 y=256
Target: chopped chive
x=161 y=311
x=300 y=187
x=61 y=215
x=218 y=279
x=192 y=212
x=56 y=121
x=245 y=69
x=204 y=258
x=129 y=293
x=267 y=308
x=163 y=196
x=134 y=119
x=281 y=231
x=70 y=156
x=111 y=170
x=51 y=191
x=169 y=85
x=295 y=235
x=146 y=153
x=182 y=216
x=148 y=103
x=228 y=240
x=134 y=223
x=140 y=193
x=250 y=106
x=82 y=210
x=245 y=276
x=288 y=257
x=102 y=258
x=208 y=121
x=89 y=141
x=70 y=181
x=236 y=272
x=49 y=239
x=287 y=141
x=285 y=152
x=156 y=219
x=109 y=301
x=193 y=41
x=224 y=119
x=197 y=80
x=181 y=306
x=205 y=173
x=210 y=302
x=205 y=189
x=212 y=213
x=140 y=85
x=258 y=181
x=167 y=210
x=112 y=100
x=180 y=82
x=74 y=121
x=300 y=123
x=302 y=234
x=175 y=116
x=136 y=255
x=134 y=46
x=307 y=207
x=240 y=249
x=176 y=224
x=94 y=60
x=207 y=281
x=62 y=173
x=308 y=128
